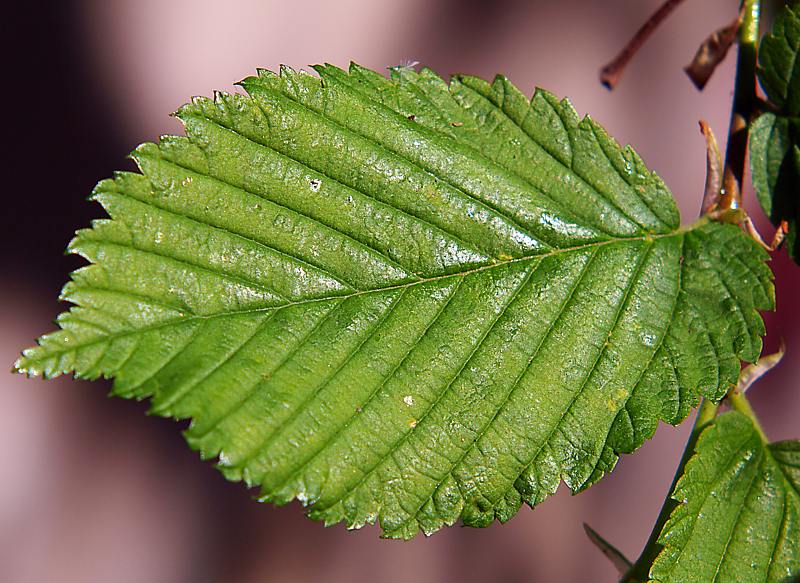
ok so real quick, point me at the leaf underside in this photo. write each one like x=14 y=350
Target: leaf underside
x=404 y=300
x=738 y=517
x=774 y=135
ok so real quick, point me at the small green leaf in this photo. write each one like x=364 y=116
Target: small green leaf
x=405 y=300
x=773 y=136
x=738 y=517
x=772 y=144
x=775 y=173
x=779 y=66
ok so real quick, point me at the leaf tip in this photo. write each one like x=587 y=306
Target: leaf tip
x=286 y=72
x=19 y=367
x=26 y=365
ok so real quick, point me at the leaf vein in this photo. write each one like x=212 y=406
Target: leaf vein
x=438 y=399
x=377 y=389
x=435 y=137
x=275 y=433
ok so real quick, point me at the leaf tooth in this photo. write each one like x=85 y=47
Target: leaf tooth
x=409 y=387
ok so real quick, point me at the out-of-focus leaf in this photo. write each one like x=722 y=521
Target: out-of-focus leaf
x=773 y=136
x=775 y=172
x=779 y=66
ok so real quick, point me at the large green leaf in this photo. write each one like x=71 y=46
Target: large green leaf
x=405 y=300
x=738 y=517
x=773 y=136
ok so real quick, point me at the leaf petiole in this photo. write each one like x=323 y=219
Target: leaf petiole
x=739 y=402
x=641 y=569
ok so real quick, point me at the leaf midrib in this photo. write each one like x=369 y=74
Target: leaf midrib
x=791 y=490
x=436 y=136
x=678 y=496
x=405 y=285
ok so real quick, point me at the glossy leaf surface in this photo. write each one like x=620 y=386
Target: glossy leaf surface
x=405 y=300
x=738 y=517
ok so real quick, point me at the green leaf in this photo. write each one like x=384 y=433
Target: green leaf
x=771 y=144
x=738 y=517
x=773 y=136
x=405 y=300
x=779 y=66
x=775 y=173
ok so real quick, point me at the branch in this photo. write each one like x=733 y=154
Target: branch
x=610 y=74
x=744 y=106
x=641 y=569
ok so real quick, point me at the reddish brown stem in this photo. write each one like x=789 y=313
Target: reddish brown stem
x=610 y=74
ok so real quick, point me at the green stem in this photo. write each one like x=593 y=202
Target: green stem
x=641 y=569
x=740 y=403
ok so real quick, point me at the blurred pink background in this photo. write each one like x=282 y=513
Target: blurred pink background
x=93 y=490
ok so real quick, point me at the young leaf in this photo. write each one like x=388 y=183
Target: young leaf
x=775 y=173
x=779 y=67
x=405 y=300
x=773 y=136
x=739 y=513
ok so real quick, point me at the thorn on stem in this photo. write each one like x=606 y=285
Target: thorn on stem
x=753 y=372
x=780 y=235
x=777 y=237
x=622 y=564
x=714 y=170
